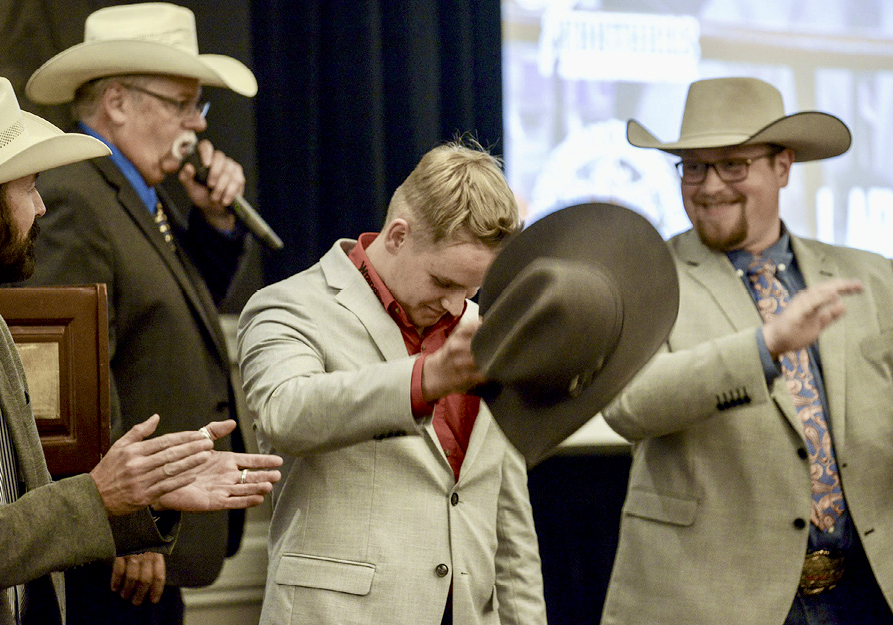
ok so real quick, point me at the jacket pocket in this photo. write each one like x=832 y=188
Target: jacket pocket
x=648 y=505
x=347 y=576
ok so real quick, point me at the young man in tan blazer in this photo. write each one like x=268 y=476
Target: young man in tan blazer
x=403 y=503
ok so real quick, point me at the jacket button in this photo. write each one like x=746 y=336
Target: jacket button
x=442 y=570
x=802 y=453
x=799 y=524
x=454 y=499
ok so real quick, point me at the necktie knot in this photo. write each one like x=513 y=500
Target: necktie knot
x=761 y=266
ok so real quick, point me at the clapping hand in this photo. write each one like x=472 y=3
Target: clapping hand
x=181 y=471
x=227 y=480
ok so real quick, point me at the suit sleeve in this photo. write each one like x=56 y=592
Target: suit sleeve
x=519 y=579
x=678 y=389
x=64 y=524
x=301 y=405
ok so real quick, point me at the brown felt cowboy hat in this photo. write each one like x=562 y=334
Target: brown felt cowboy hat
x=722 y=112
x=30 y=144
x=572 y=308
x=146 y=38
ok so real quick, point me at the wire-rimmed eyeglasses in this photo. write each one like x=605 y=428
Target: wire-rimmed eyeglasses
x=184 y=108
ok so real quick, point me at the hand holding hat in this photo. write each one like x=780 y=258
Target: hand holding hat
x=573 y=307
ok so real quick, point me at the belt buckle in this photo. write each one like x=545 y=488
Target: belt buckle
x=821 y=571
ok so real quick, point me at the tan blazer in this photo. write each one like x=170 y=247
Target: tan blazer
x=369 y=525
x=713 y=525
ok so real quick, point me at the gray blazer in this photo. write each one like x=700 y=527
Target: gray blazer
x=369 y=524
x=712 y=528
x=167 y=349
x=54 y=525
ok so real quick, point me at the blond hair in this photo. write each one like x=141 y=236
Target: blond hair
x=457 y=190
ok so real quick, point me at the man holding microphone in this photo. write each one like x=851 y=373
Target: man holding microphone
x=135 y=83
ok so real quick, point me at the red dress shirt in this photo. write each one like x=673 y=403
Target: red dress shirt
x=454 y=414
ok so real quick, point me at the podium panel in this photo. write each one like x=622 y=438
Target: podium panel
x=61 y=334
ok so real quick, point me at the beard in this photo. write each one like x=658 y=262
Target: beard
x=722 y=241
x=16 y=251
x=720 y=237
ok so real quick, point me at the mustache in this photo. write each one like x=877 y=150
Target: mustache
x=720 y=198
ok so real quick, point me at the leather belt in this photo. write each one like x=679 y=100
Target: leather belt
x=822 y=571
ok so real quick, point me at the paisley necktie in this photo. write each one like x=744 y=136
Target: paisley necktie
x=827 y=496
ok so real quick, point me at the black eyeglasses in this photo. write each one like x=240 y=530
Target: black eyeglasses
x=728 y=169
x=184 y=108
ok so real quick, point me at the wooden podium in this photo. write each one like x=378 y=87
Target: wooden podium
x=62 y=336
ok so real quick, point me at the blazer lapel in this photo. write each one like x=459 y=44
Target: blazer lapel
x=187 y=277
x=356 y=296
x=17 y=414
x=817 y=267
x=715 y=273
x=482 y=424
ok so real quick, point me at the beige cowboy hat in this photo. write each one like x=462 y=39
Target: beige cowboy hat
x=30 y=144
x=572 y=308
x=147 y=38
x=722 y=112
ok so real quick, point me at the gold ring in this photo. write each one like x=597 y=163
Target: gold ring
x=204 y=432
x=243 y=476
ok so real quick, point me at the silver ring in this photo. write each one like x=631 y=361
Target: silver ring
x=243 y=476
x=204 y=432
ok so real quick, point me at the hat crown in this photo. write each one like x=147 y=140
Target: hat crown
x=572 y=313
x=12 y=127
x=157 y=22
x=730 y=106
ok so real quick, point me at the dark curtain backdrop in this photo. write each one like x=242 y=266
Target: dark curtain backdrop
x=353 y=93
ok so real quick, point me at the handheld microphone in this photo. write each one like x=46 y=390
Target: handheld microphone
x=243 y=211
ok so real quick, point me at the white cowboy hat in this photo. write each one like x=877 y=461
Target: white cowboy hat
x=30 y=144
x=723 y=112
x=147 y=38
x=573 y=307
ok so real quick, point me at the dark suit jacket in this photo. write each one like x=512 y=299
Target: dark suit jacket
x=165 y=342
x=54 y=525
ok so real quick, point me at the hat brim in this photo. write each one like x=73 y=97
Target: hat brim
x=811 y=135
x=48 y=147
x=628 y=247
x=57 y=80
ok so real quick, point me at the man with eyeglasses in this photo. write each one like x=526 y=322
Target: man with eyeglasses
x=763 y=432
x=136 y=84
